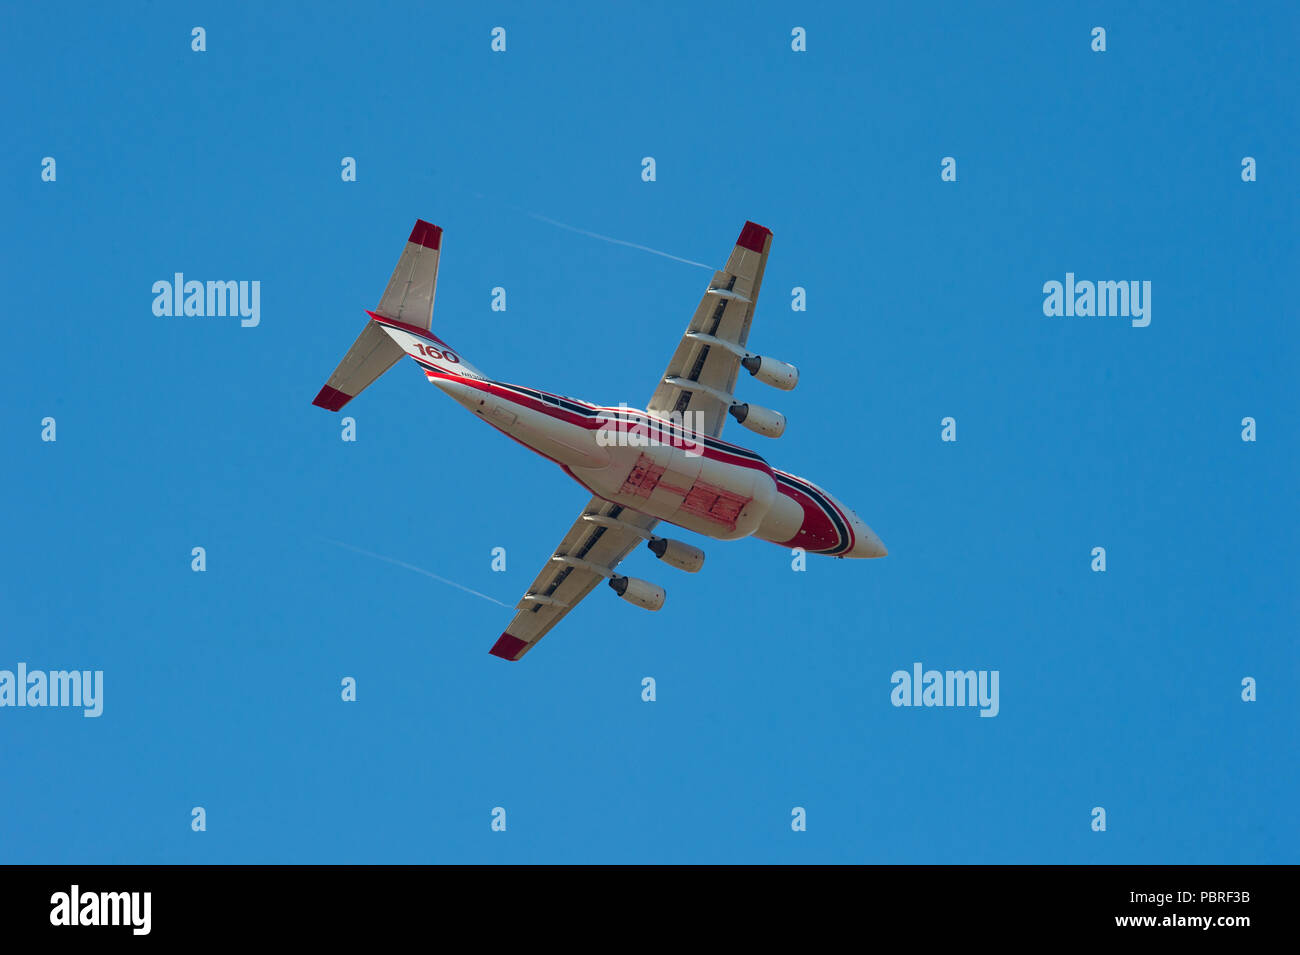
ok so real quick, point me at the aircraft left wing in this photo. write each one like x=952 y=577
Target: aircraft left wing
x=599 y=539
x=711 y=350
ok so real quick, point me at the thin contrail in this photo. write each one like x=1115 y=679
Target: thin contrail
x=418 y=570
x=606 y=238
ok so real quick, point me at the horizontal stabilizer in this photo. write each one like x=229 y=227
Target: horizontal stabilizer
x=372 y=354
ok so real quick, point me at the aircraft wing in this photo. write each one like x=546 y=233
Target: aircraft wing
x=723 y=315
x=599 y=539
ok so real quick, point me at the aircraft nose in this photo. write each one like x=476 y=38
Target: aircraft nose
x=868 y=544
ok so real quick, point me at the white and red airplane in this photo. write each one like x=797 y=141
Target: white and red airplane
x=666 y=463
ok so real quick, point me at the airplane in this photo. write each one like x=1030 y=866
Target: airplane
x=664 y=463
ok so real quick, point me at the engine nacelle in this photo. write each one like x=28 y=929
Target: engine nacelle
x=769 y=371
x=762 y=420
x=644 y=594
x=677 y=554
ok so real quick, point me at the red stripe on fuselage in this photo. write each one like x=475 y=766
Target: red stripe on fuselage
x=818 y=532
x=595 y=423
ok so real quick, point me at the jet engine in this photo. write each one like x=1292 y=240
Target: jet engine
x=644 y=594
x=762 y=420
x=677 y=554
x=769 y=371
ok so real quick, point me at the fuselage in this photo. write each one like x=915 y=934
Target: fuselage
x=667 y=471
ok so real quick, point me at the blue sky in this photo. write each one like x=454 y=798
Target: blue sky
x=222 y=689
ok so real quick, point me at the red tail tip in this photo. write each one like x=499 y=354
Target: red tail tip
x=508 y=647
x=753 y=236
x=331 y=399
x=426 y=234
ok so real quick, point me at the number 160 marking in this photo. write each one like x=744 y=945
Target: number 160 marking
x=428 y=351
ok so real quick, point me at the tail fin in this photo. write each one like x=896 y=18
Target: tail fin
x=407 y=301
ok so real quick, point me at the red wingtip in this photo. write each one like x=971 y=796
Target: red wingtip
x=753 y=236
x=426 y=234
x=508 y=647
x=331 y=399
